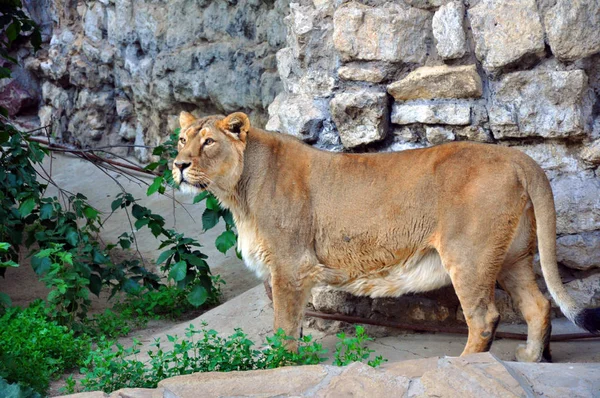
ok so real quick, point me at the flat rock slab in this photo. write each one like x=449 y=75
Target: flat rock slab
x=478 y=375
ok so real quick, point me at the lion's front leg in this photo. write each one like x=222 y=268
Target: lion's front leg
x=290 y=295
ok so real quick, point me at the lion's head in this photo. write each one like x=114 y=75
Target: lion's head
x=210 y=152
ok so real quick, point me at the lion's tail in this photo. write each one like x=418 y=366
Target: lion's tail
x=540 y=192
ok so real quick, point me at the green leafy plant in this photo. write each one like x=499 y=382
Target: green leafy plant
x=16 y=390
x=111 y=366
x=354 y=349
x=35 y=350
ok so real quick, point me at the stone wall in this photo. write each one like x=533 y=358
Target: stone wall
x=347 y=76
x=118 y=71
x=387 y=76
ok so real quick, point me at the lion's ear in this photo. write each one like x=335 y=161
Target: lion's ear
x=237 y=124
x=186 y=119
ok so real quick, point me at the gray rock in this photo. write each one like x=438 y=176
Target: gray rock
x=505 y=32
x=577 y=200
x=448 y=31
x=591 y=153
x=392 y=33
x=572 y=27
x=365 y=74
x=361 y=117
x=551 y=104
x=297 y=115
x=406 y=134
x=556 y=158
x=127 y=131
x=475 y=133
x=430 y=82
x=438 y=135
x=436 y=113
x=95 y=22
x=579 y=251
x=124 y=108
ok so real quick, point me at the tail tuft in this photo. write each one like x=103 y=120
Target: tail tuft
x=589 y=319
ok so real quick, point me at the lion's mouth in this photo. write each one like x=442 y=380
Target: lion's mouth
x=199 y=185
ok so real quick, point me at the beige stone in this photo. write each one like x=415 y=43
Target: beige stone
x=272 y=382
x=478 y=375
x=572 y=27
x=392 y=33
x=365 y=74
x=438 y=135
x=505 y=32
x=361 y=117
x=430 y=82
x=361 y=380
x=591 y=153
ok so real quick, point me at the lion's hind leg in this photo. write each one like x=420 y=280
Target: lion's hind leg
x=518 y=279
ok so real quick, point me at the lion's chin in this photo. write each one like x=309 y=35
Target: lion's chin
x=190 y=189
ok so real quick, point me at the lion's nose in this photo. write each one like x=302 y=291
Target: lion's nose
x=182 y=165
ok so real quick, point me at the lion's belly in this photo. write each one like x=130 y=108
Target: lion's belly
x=418 y=274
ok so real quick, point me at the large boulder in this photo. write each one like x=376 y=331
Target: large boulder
x=579 y=251
x=298 y=115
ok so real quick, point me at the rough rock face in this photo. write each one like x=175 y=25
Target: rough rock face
x=447 y=23
x=395 y=33
x=540 y=103
x=155 y=59
x=522 y=73
x=361 y=117
x=506 y=32
x=572 y=27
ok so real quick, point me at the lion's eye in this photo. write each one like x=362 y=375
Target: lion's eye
x=208 y=141
x=182 y=140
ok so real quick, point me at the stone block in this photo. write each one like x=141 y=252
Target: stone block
x=579 y=251
x=577 y=200
x=448 y=31
x=298 y=115
x=438 y=135
x=365 y=74
x=361 y=117
x=572 y=27
x=550 y=104
x=392 y=33
x=506 y=32
x=437 y=113
x=432 y=82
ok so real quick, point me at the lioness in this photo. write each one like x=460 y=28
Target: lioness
x=385 y=224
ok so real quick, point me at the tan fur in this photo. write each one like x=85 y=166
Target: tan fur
x=381 y=224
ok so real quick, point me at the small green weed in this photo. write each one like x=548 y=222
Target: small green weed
x=354 y=349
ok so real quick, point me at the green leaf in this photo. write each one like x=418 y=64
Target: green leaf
x=163 y=256
x=179 y=271
x=36 y=39
x=210 y=218
x=154 y=186
x=4 y=246
x=72 y=237
x=196 y=261
x=225 y=241
x=116 y=204
x=125 y=243
x=5 y=300
x=212 y=203
x=95 y=284
x=5 y=136
x=9 y=263
x=201 y=196
x=4 y=73
x=90 y=212
x=46 y=211
x=12 y=32
x=41 y=265
x=27 y=207
x=197 y=296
